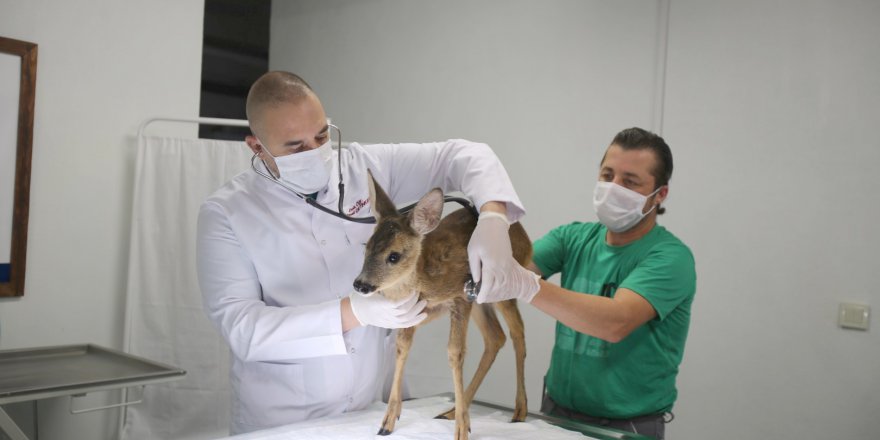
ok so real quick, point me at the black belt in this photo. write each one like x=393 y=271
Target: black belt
x=559 y=410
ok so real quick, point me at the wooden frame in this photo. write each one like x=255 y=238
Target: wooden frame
x=14 y=285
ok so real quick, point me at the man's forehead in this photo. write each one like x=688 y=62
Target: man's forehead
x=639 y=161
x=291 y=119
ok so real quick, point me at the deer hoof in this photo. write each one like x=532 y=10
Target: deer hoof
x=448 y=415
x=519 y=415
x=383 y=431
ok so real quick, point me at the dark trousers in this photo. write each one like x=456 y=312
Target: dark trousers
x=652 y=425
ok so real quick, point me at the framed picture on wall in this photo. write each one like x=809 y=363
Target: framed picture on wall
x=18 y=81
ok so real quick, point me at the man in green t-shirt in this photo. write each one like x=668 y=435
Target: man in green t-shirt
x=624 y=304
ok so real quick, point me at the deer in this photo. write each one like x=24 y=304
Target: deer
x=419 y=251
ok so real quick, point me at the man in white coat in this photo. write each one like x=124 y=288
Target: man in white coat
x=276 y=274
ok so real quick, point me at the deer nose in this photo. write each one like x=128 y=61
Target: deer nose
x=363 y=287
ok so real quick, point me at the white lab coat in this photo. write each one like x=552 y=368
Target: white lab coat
x=273 y=271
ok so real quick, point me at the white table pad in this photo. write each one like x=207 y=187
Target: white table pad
x=416 y=423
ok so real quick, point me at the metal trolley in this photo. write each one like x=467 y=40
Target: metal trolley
x=72 y=370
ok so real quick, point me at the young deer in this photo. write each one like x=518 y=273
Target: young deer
x=418 y=251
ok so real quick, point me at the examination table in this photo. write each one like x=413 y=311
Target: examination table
x=488 y=422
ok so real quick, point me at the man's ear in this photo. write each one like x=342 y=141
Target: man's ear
x=260 y=150
x=381 y=203
x=662 y=195
x=426 y=214
x=253 y=144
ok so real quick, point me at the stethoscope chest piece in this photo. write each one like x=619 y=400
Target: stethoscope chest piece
x=472 y=289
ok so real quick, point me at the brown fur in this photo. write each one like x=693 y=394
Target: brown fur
x=435 y=263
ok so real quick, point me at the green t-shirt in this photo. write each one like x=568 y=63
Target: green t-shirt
x=635 y=376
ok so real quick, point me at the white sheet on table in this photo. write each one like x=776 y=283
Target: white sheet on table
x=416 y=423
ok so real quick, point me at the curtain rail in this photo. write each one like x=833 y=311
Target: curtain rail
x=209 y=121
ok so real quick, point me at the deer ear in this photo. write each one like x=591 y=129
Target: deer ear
x=426 y=214
x=381 y=203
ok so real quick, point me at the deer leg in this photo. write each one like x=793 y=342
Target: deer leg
x=515 y=326
x=493 y=339
x=459 y=313
x=392 y=413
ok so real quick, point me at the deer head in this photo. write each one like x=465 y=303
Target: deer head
x=392 y=252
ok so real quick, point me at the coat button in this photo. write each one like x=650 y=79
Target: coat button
x=323 y=242
x=352 y=350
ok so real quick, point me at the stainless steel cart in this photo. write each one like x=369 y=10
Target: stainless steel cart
x=72 y=370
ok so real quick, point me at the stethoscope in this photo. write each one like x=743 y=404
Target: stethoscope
x=268 y=176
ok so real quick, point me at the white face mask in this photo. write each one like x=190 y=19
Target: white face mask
x=307 y=172
x=619 y=208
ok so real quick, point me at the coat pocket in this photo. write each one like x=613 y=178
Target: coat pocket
x=271 y=394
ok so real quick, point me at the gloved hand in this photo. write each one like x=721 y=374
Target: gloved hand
x=376 y=310
x=489 y=253
x=519 y=283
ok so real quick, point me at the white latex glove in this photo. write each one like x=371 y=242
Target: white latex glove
x=520 y=283
x=376 y=310
x=489 y=253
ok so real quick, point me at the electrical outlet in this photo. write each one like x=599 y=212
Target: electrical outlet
x=854 y=316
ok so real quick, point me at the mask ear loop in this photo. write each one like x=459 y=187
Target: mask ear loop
x=263 y=149
x=656 y=205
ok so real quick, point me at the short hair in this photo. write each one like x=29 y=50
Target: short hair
x=272 y=89
x=640 y=139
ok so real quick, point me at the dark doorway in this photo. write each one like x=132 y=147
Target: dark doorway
x=235 y=52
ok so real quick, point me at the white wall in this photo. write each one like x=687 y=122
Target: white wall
x=772 y=111
x=103 y=67
x=769 y=109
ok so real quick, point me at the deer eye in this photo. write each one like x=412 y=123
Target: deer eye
x=393 y=257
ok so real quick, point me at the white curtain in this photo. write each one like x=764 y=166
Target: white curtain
x=164 y=317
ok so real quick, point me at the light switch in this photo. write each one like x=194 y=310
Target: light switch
x=854 y=316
